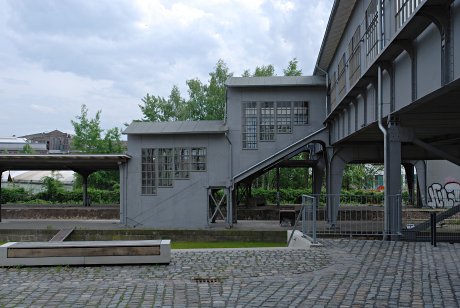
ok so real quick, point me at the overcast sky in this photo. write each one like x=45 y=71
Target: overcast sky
x=56 y=55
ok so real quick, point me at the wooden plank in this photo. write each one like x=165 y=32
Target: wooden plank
x=61 y=235
x=83 y=251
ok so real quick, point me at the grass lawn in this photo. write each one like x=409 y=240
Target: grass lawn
x=197 y=245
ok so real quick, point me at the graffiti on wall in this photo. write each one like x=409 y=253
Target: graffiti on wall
x=444 y=196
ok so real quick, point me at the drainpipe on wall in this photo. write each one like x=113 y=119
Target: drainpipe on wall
x=232 y=185
x=380 y=115
x=327 y=83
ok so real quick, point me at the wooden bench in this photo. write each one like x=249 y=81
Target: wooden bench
x=85 y=253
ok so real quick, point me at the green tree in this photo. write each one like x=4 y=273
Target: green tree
x=246 y=73
x=206 y=100
x=90 y=138
x=264 y=71
x=155 y=108
x=177 y=105
x=112 y=141
x=27 y=149
x=215 y=94
x=359 y=176
x=196 y=105
x=87 y=137
x=292 y=69
x=52 y=186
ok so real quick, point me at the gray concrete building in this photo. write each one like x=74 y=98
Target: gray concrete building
x=384 y=90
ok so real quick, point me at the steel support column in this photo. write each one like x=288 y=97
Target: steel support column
x=336 y=166
x=392 y=207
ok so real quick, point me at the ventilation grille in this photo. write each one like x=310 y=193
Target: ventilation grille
x=207 y=280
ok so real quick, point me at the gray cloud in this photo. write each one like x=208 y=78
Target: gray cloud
x=59 y=54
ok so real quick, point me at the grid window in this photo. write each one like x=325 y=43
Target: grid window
x=341 y=76
x=300 y=110
x=267 y=121
x=283 y=117
x=333 y=93
x=354 y=51
x=165 y=167
x=181 y=163
x=148 y=172
x=249 y=125
x=198 y=159
x=371 y=31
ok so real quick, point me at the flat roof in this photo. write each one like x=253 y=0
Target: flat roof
x=176 y=128
x=276 y=81
x=79 y=162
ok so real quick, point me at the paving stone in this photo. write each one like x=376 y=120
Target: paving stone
x=342 y=273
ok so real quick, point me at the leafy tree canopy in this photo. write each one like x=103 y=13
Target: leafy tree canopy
x=206 y=100
x=292 y=69
x=27 y=149
x=88 y=135
x=90 y=138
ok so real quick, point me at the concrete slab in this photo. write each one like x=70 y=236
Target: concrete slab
x=85 y=252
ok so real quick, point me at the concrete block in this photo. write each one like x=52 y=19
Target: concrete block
x=85 y=252
x=299 y=240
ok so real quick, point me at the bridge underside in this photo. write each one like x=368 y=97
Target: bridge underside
x=427 y=129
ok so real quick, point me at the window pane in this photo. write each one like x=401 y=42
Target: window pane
x=300 y=110
x=165 y=167
x=283 y=117
x=198 y=159
x=249 y=129
x=148 y=172
x=182 y=163
x=267 y=121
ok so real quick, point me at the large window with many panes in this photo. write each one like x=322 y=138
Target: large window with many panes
x=165 y=167
x=181 y=163
x=283 y=117
x=267 y=121
x=161 y=166
x=249 y=129
x=300 y=113
x=198 y=159
x=149 y=185
x=261 y=121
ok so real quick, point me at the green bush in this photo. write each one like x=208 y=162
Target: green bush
x=293 y=196
x=15 y=194
x=97 y=196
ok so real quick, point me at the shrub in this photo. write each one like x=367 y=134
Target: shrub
x=15 y=194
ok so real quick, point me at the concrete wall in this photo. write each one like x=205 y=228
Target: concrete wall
x=428 y=53
x=443 y=184
x=186 y=203
x=245 y=158
x=403 y=79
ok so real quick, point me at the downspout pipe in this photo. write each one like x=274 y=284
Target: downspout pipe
x=327 y=84
x=232 y=183
x=382 y=128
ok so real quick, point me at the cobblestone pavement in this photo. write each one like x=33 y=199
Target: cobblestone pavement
x=342 y=273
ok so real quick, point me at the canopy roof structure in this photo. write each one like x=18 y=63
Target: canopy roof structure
x=80 y=162
x=84 y=164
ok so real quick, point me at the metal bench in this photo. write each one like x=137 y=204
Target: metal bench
x=85 y=253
